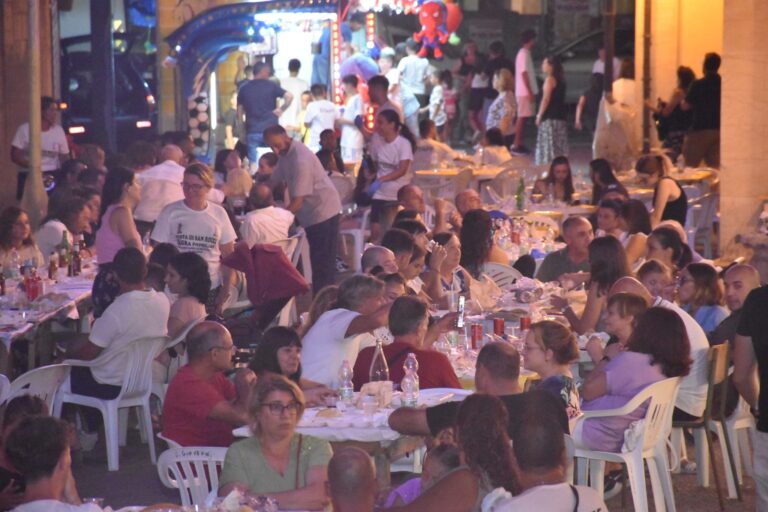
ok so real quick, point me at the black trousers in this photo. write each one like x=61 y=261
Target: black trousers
x=323 y=239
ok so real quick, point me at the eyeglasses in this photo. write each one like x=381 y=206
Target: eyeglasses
x=278 y=407
x=193 y=186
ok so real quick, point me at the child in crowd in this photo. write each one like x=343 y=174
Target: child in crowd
x=439 y=461
x=436 y=107
x=450 y=102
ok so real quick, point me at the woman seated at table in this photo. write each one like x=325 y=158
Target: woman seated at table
x=669 y=199
x=16 y=235
x=657 y=279
x=70 y=220
x=664 y=244
x=610 y=222
x=444 y=273
x=481 y=433
x=430 y=151
x=657 y=349
x=492 y=149
x=277 y=462
x=618 y=320
x=605 y=185
x=607 y=263
x=549 y=350
x=478 y=244
x=700 y=293
x=279 y=353
x=230 y=176
x=323 y=301
x=558 y=185
x=411 y=273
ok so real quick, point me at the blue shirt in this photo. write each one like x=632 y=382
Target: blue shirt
x=709 y=317
x=259 y=100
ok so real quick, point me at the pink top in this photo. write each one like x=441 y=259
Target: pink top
x=107 y=241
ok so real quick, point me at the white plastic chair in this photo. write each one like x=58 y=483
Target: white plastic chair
x=358 y=234
x=503 y=184
x=345 y=186
x=159 y=388
x=651 y=444
x=42 y=382
x=137 y=359
x=543 y=221
x=193 y=470
x=701 y=215
x=503 y=275
x=740 y=429
x=5 y=388
x=570 y=453
x=171 y=443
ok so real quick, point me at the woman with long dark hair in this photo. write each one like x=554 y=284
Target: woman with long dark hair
x=486 y=455
x=672 y=121
x=664 y=244
x=187 y=277
x=559 y=181
x=552 y=139
x=604 y=181
x=70 y=219
x=279 y=353
x=478 y=243
x=669 y=199
x=444 y=273
x=117 y=229
x=391 y=149
x=607 y=263
x=16 y=235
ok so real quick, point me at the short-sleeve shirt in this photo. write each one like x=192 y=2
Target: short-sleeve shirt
x=564 y=388
x=245 y=463
x=259 y=100
x=556 y=497
x=387 y=157
x=200 y=231
x=557 y=264
x=56 y=506
x=440 y=417
x=351 y=136
x=320 y=115
x=266 y=225
x=704 y=96
x=524 y=62
x=413 y=71
x=437 y=106
x=187 y=310
x=626 y=375
x=188 y=402
x=435 y=370
x=132 y=316
x=301 y=170
x=53 y=142
x=754 y=323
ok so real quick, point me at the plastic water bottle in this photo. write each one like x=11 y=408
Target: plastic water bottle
x=13 y=269
x=346 y=390
x=410 y=383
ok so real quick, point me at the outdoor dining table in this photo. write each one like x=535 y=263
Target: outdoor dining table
x=61 y=300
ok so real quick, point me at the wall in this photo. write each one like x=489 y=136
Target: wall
x=14 y=81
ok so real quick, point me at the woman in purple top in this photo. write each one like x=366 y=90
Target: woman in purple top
x=657 y=349
x=117 y=229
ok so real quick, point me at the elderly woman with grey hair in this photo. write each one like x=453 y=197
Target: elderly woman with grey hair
x=345 y=329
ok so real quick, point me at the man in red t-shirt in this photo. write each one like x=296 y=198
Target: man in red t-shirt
x=408 y=321
x=202 y=406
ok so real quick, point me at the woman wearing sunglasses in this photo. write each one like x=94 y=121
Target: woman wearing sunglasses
x=277 y=462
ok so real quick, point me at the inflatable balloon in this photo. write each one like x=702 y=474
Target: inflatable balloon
x=453 y=18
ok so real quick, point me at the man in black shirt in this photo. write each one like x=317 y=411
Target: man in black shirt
x=703 y=141
x=750 y=349
x=497 y=373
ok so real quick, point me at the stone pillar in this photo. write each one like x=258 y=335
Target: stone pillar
x=744 y=125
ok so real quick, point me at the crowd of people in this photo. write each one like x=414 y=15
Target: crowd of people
x=161 y=225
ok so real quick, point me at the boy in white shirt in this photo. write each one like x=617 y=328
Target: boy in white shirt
x=321 y=115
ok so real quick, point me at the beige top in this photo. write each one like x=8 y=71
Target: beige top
x=25 y=252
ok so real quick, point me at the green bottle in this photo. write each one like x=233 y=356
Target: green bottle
x=520 y=195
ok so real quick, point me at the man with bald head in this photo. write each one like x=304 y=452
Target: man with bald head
x=378 y=259
x=574 y=257
x=411 y=197
x=465 y=201
x=692 y=396
x=266 y=223
x=201 y=405
x=351 y=481
x=739 y=281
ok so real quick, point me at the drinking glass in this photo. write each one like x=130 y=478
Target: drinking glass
x=370 y=404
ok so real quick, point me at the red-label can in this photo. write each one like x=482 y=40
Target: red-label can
x=525 y=323
x=498 y=326
x=476 y=333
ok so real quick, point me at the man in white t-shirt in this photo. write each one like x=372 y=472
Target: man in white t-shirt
x=265 y=224
x=526 y=88
x=135 y=314
x=414 y=71
x=53 y=145
x=599 y=65
x=340 y=334
x=160 y=186
x=296 y=86
x=321 y=115
x=538 y=466
x=38 y=448
x=197 y=225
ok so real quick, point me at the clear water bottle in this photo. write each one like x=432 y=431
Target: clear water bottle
x=410 y=383
x=379 y=371
x=14 y=268
x=346 y=389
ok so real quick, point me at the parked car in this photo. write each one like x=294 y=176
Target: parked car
x=135 y=108
x=579 y=56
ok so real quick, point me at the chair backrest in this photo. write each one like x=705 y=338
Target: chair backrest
x=462 y=180
x=543 y=221
x=193 y=470
x=570 y=453
x=5 y=388
x=717 y=380
x=42 y=382
x=504 y=184
x=503 y=275
x=172 y=342
x=345 y=186
x=658 y=416
x=292 y=246
x=701 y=214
